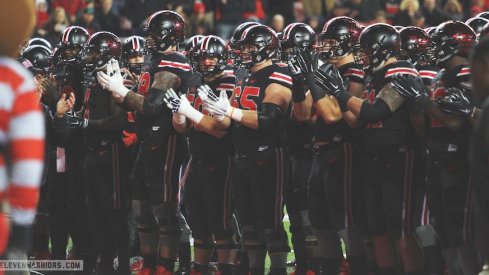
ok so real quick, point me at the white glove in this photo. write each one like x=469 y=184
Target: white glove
x=113 y=80
x=208 y=98
x=181 y=105
x=223 y=107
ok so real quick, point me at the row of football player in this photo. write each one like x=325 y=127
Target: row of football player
x=256 y=45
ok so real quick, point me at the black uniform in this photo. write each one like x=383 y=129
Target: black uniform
x=69 y=78
x=391 y=146
x=208 y=176
x=262 y=165
x=161 y=153
x=448 y=170
x=479 y=163
x=336 y=173
x=105 y=177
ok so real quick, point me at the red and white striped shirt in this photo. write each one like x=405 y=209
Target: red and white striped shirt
x=21 y=141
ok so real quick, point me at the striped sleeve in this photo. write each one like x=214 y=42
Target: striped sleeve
x=174 y=65
x=401 y=70
x=354 y=75
x=25 y=141
x=282 y=79
x=463 y=78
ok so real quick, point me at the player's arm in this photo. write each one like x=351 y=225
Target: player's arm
x=25 y=156
x=113 y=122
x=275 y=104
x=153 y=104
x=356 y=90
x=418 y=119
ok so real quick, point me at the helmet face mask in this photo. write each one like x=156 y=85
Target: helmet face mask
x=378 y=43
x=73 y=39
x=211 y=56
x=100 y=49
x=329 y=50
x=453 y=38
x=135 y=63
x=258 y=44
x=296 y=36
x=133 y=52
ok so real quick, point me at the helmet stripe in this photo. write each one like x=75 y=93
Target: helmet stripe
x=66 y=34
x=287 y=31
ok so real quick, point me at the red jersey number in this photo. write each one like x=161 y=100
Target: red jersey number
x=246 y=97
x=144 y=81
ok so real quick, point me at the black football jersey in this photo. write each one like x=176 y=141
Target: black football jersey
x=299 y=135
x=160 y=125
x=69 y=79
x=339 y=131
x=440 y=138
x=427 y=74
x=97 y=106
x=395 y=132
x=250 y=97
x=202 y=145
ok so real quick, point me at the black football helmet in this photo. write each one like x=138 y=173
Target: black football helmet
x=338 y=38
x=378 y=42
x=211 y=47
x=258 y=43
x=38 y=56
x=484 y=32
x=477 y=24
x=133 y=46
x=296 y=36
x=453 y=38
x=191 y=49
x=100 y=48
x=164 y=29
x=37 y=41
x=483 y=15
x=416 y=45
x=74 y=38
x=234 y=46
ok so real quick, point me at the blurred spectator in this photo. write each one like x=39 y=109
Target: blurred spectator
x=380 y=17
x=258 y=14
x=408 y=10
x=135 y=12
x=363 y=10
x=283 y=7
x=72 y=7
x=315 y=23
x=299 y=12
x=42 y=13
x=106 y=17
x=340 y=9
x=56 y=24
x=87 y=20
x=199 y=23
x=228 y=15
x=278 y=23
x=391 y=8
x=432 y=13
x=453 y=10
x=314 y=8
x=476 y=8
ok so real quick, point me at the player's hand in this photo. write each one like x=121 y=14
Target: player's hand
x=328 y=78
x=221 y=107
x=456 y=103
x=77 y=122
x=408 y=86
x=112 y=80
x=64 y=105
x=301 y=62
x=208 y=99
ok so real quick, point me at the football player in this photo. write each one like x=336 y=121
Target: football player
x=104 y=171
x=162 y=150
x=449 y=193
x=299 y=36
x=390 y=142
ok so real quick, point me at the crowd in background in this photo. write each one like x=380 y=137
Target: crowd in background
x=221 y=17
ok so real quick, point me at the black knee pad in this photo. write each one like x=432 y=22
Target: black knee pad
x=143 y=215
x=276 y=239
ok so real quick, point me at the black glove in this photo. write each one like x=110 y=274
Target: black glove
x=77 y=122
x=328 y=78
x=456 y=103
x=301 y=63
x=408 y=86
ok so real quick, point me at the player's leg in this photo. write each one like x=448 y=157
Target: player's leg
x=60 y=215
x=251 y=239
x=268 y=193
x=146 y=226
x=296 y=202
x=217 y=196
